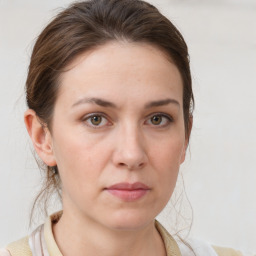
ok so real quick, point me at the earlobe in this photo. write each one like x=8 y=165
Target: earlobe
x=184 y=150
x=183 y=155
x=40 y=137
x=187 y=140
x=189 y=128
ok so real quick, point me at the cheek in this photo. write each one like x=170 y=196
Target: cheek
x=78 y=173
x=80 y=158
x=168 y=152
x=166 y=159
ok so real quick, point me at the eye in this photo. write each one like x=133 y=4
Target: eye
x=161 y=120
x=96 y=121
x=156 y=120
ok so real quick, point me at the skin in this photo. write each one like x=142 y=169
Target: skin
x=125 y=144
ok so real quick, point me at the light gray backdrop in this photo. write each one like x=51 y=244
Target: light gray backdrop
x=219 y=173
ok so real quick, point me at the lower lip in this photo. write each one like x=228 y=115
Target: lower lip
x=128 y=195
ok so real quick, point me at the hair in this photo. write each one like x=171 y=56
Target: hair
x=84 y=26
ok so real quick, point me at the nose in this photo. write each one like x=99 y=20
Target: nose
x=130 y=150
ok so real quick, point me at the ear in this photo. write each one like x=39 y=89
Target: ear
x=40 y=136
x=186 y=140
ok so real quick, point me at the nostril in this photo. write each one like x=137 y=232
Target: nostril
x=131 y=158
x=141 y=164
x=132 y=166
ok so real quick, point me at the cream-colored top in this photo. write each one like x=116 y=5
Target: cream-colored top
x=42 y=243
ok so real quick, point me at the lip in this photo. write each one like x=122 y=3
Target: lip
x=128 y=191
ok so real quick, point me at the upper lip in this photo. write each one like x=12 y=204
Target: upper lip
x=129 y=186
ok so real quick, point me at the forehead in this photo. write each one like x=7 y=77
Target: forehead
x=131 y=69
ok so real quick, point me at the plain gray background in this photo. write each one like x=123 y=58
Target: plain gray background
x=219 y=173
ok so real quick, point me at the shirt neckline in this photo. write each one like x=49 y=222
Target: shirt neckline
x=170 y=244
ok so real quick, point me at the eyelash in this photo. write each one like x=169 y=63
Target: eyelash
x=87 y=119
x=168 y=118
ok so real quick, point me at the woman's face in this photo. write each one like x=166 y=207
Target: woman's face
x=118 y=134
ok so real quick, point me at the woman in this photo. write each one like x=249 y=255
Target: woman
x=110 y=105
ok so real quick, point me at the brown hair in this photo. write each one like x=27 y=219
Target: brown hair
x=89 y=24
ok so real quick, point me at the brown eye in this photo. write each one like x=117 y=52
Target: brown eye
x=156 y=120
x=96 y=120
x=159 y=120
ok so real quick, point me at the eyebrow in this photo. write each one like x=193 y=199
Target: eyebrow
x=97 y=101
x=105 y=103
x=160 y=103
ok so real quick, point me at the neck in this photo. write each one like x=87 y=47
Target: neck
x=80 y=236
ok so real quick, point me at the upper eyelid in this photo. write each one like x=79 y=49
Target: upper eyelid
x=94 y=127
x=169 y=120
x=85 y=117
x=161 y=114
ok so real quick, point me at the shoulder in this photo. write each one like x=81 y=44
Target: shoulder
x=17 y=248
x=197 y=247
x=4 y=252
x=203 y=248
x=222 y=251
x=192 y=247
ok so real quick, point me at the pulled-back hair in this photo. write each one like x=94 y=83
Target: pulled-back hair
x=84 y=26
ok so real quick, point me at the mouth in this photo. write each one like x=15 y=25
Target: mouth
x=127 y=191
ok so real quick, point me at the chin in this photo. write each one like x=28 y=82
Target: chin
x=130 y=220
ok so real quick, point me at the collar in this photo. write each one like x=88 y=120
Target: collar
x=171 y=246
